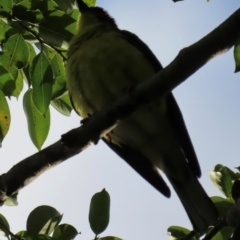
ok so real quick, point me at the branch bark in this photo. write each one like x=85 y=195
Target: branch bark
x=187 y=62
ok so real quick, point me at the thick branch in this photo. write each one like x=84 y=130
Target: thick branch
x=188 y=61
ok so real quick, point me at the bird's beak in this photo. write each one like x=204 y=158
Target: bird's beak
x=82 y=6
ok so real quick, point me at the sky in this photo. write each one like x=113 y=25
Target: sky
x=209 y=101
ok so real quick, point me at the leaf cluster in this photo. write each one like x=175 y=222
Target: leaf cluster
x=34 y=37
x=43 y=223
x=228 y=182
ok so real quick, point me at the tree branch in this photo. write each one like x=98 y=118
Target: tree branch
x=188 y=61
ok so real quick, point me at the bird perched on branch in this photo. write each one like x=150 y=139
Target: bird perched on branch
x=102 y=61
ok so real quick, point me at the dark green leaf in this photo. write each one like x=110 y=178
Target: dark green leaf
x=236 y=190
x=45 y=6
x=42 y=81
x=61 y=35
x=43 y=220
x=223 y=205
x=224 y=234
x=22 y=234
x=176 y=232
x=38 y=237
x=99 y=211
x=6 y=7
x=25 y=3
x=7 y=82
x=33 y=16
x=5 y=117
x=233 y=175
x=4 y=226
x=222 y=179
x=38 y=125
x=14 y=28
x=15 y=53
x=65 y=232
x=4 y=27
x=63 y=104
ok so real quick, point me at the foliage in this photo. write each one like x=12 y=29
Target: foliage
x=228 y=182
x=43 y=223
x=34 y=37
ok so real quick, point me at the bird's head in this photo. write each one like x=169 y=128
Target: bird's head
x=93 y=15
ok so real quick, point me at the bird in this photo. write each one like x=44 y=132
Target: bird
x=103 y=60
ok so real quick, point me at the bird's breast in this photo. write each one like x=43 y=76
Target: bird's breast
x=101 y=68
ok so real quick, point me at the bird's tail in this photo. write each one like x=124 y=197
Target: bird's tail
x=199 y=207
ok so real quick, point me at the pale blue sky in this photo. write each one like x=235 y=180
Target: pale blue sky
x=210 y=103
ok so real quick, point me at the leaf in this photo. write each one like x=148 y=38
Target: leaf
x=42 y=80
x=18 y=84
x=99 y=211
x=66 y=29
x=234 y=175
x=4 y=225
x=27 y=70
x=223 y=205
x=12 y=200
x=4 y=27
x=22 y=234
x=38 y=125
x=236 y=52
x=23 y=13
x=58 y=66
x=90 y=3
x=176 y=232
x=26 y=236
x=223 y=234
x=5 y=117
x=49 y=52
x=66 y=5
x=6 y=7
x=65 y=232
x=235 y=190
x=59 y=87
x=43 y=220
x=15 y=53
x=221 y=178
x=38 y=237
x=62 y=105
x=45 y=6
x=7 y=82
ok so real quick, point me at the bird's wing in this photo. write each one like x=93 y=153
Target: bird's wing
x=70 y=97
x=141 y=165
x=182 y=134
x=174 y=111
x=142 y=47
